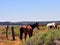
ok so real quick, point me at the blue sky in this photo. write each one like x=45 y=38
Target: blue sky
x=29 y=10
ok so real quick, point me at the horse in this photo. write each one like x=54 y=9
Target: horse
x=28 y=29
x=52 y=25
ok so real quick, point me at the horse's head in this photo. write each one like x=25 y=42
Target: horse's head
x=37 y=25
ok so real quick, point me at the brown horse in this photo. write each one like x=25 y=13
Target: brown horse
x=28 y=29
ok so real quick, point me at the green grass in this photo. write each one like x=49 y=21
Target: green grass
x=44 y=39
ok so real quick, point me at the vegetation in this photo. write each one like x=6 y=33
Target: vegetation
x=40 y=37
x=47 y=38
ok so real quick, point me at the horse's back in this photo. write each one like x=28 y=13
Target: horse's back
x=29 y=27
x=24 y=26
x=49 y=24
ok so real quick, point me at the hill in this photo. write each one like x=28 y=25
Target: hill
x=27 y=22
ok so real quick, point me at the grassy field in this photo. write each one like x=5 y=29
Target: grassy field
x=40 y=37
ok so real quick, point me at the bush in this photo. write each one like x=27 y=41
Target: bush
x=44 y=39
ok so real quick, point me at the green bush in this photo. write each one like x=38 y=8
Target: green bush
x=44 y=39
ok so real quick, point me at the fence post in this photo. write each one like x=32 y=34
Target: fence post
x=13 y=35
x=7 y=31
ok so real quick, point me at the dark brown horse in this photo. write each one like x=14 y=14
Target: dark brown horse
x=28 y=29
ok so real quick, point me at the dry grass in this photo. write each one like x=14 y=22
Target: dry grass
x=4 y=41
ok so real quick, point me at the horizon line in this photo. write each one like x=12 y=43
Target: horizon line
x=29 y=21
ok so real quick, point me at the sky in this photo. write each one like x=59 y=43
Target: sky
x=29 y=10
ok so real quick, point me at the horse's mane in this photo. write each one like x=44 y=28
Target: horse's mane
x=33 y=25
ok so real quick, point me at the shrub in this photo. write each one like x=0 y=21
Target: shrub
x=44 y=39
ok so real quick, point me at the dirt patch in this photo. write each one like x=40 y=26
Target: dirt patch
x=4 y=41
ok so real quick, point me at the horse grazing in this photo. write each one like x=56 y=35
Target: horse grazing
x=52 y=25
x=28 y=29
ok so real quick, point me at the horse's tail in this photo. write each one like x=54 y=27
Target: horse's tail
x=21 y=33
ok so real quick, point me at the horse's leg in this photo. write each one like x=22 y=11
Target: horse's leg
x=30 y=35
x=21 y=33
x=31 y=32
x=56 y=27
x=25 y=35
